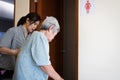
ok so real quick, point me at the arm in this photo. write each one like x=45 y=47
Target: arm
x=51 y=72
x=6 y=43
x=5 y=50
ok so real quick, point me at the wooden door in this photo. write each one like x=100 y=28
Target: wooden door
x=52 y=8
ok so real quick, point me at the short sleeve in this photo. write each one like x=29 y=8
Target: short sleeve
x=40 y=49
x=7 y=38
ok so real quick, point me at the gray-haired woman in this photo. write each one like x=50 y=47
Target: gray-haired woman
x=33 y=61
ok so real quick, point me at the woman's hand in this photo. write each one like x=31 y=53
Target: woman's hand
x=15 y=51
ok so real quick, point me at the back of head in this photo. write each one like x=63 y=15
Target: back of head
x=33 y=17
x=50 y=20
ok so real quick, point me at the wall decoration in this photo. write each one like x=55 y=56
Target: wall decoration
x=87 y=7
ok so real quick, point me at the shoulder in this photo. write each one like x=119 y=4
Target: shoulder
x=13 y=29
x=39 y=36
x=36 y=33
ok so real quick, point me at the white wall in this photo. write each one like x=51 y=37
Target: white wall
x=99 y=42
x=21 y=9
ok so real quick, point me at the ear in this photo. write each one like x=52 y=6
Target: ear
x=27 y=21
x=51 y=27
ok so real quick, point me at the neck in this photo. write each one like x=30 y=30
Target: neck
x=44 y=32
x=25 y=30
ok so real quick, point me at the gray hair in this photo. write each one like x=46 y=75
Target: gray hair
x=49 y=21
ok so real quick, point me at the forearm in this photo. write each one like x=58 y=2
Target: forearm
x=5 y=50
x=51 y=72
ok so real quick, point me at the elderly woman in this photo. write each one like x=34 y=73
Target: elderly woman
x=33 y=61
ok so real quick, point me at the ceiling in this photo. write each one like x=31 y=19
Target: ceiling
x=9 y=1
x=7 y=9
